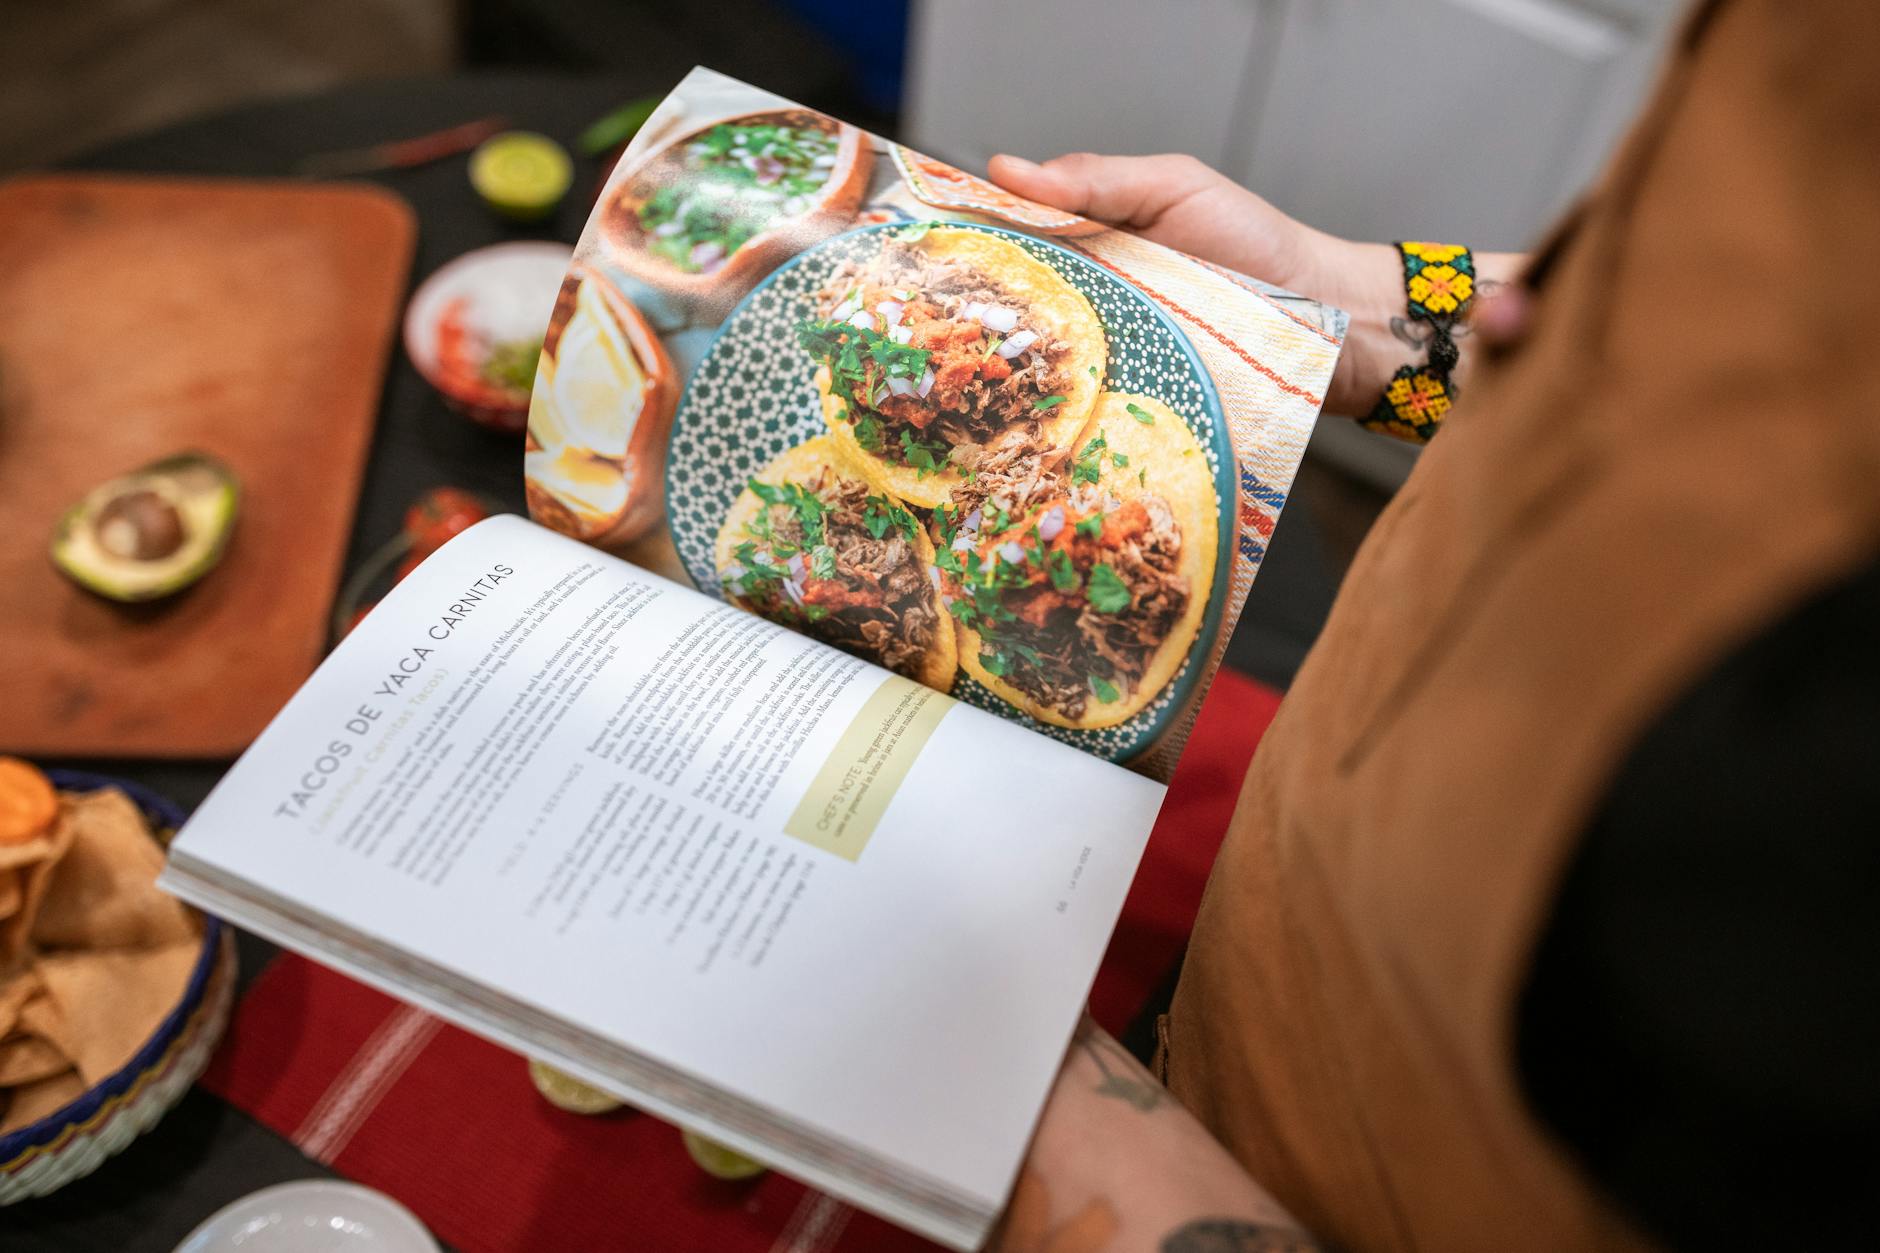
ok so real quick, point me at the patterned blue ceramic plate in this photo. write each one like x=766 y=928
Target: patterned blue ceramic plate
x=753 y=397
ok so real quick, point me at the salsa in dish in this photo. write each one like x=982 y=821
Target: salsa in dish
x=738 y=180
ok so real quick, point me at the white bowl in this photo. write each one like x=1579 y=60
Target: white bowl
x=311 y=1216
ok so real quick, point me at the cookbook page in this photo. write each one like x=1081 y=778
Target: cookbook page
x=1006 y=452
x=855 y=904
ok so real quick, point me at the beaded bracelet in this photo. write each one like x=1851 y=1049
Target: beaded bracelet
x=1439 y=281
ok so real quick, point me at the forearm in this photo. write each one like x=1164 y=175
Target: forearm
x=1366 y=280
x=1119 y=1165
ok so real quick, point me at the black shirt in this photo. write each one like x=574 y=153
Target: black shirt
x=1701 y=1024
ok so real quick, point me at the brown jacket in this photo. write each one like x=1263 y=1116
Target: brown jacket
x=1687 y=445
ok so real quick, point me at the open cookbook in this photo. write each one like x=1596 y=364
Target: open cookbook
x=786 y=773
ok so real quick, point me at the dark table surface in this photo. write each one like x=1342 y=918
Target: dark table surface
x=205 y=1154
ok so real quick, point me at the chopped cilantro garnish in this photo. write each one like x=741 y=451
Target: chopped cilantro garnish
x=1093 y=371
x=1001 y=520
x=859 y=358
x=1091 y=527
x=882 y=513
x=822 y=561
x=914 y=233
x=868 y=432
x=1140 y=414
x=816 y=613
x=1142 y=476
x=1063 y=573
x=920 y=455
x=1107 y=592
x=1047 y=402
x=1089 y=465
x=1105 y=690
x=994 y=662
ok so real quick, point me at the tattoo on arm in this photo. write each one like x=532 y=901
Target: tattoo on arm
x=1122 y=1078
x=1236 y=1235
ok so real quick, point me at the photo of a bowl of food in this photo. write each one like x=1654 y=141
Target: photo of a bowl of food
x=604 y=395
x=474 y=328
x=810 y=544
x=1048 y=427
x=112 y=993
x=706 y=216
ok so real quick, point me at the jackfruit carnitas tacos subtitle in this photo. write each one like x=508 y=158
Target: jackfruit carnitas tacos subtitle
x=811 y=545
x=1078 y=593
x=602 y=410
x=952 y=353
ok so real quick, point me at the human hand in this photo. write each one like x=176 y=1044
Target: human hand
x=1180 y=202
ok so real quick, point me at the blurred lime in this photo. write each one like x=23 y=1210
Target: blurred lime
x=521 y=174
x=718 y=1161
x=567 y=1092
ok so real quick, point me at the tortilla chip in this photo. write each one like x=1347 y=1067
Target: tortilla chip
x=804 y=464
x=108 y=1004
x=34 y=1101
x=1164 y=460
x=1052 y=305
x=103 y=892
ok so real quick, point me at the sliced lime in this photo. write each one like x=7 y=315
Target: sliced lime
x=520 y=174
x=718 y=1161
x=569 y=1093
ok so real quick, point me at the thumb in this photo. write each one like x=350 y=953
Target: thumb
x=1133 y=191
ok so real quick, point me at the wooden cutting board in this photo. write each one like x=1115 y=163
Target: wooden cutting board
x=141 y=317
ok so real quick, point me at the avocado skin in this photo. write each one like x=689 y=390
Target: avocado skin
x=210 y=498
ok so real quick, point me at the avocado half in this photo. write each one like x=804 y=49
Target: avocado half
x=152 y=532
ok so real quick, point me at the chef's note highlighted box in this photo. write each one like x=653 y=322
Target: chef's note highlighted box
x=865 y=769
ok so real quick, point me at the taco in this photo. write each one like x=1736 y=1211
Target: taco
x=811 y=545
x=952 y=352
x=1077 y=600
x=604 y=396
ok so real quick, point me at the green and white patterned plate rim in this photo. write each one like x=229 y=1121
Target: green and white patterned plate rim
x=753 y=397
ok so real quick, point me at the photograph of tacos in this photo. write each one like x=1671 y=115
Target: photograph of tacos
x=1077 y=598
x=598 y=421
x=811 y=545
x=951 y=353
x=942 y=186
x=710 y=214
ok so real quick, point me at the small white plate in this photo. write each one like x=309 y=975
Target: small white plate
x=311 y=1216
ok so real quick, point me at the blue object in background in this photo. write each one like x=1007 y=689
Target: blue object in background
x=872 y=36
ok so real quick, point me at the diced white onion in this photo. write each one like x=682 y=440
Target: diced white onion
x=666 y=230
x=1013 y=552
x=848 y=308
x=733 y=572
x=823 y=162
x=961 y=543
x=933 y=575
x=796 y=565
x=891 y=310
x=973 y=521
x=970 y=312
x=793 y=591
x=900 y=386
x=1017 y=343
x=708 y=255
x=926 y=384
x=998 y=318
x=864 y=319
x=902 y=334
x=1000 y=501
x=1051 y=524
